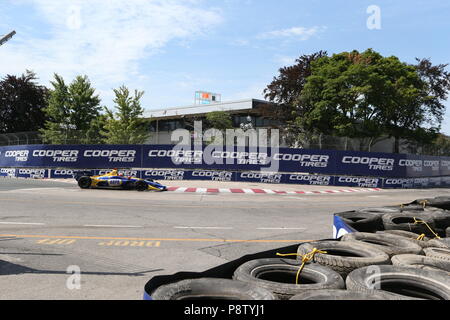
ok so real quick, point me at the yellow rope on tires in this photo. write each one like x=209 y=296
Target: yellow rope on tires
x=423 y=203
x=421 y=237
x=305 y=259
x=418 y=221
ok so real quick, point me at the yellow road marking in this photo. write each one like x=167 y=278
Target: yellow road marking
x=56 y=241
x=132 y=243
x=151 y=239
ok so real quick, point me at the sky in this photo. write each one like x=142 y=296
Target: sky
x=172 y=48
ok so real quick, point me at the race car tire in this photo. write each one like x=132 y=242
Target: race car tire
x=211 y=289
x=84 y=182
x=141 y=186
x=388 y=243
x=438 y=253
x=405 y=221
x=344 y=256
x=362 y=221
x=336 y=294
x=411 y=283
x=420 y=262
x=279 y=276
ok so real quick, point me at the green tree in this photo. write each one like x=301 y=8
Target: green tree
x=439 y=147
x=365 y=95
x=217 y=122
x=285 y=90
x=126 y=126
x=73 y=111
x=340 y=95
x=220 y=120
x=22 y=103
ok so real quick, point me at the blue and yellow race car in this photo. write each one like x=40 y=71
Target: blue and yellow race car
x=114 y=180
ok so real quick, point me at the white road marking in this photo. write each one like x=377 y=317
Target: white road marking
x=180 y=227
x=110 y=226
x=280 y=228
x=26 y=223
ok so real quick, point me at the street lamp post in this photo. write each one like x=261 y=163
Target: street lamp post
x=7 y=37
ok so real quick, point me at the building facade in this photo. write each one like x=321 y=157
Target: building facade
x=250 y=112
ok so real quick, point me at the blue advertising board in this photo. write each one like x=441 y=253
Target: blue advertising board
x=71 y=156
x=282 y=161
x=308 y=179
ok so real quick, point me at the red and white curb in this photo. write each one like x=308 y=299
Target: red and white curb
x=263 y=191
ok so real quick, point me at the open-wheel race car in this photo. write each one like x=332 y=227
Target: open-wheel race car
x=114 y=180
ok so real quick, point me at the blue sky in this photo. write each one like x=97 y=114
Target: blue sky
x=171 y=48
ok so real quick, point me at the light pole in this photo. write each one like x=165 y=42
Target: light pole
x=7 y=37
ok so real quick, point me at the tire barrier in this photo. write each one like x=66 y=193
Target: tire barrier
x=398 y=260
x=336 y=294
x=405 y=281
x=210 y=288
x=278 y=276
x=421 y=262
x=343 y=257
x=390 y=244
x=362 y=221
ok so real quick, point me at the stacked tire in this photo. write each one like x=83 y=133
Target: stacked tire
x=397 y=253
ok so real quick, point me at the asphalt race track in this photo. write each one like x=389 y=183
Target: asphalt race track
x=118 y=240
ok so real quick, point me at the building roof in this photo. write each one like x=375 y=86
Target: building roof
x=236 y=105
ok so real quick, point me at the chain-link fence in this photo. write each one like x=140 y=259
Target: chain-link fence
x=20 y=138
x=317 y=142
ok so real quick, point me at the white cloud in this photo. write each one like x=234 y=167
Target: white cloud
x=295 y=33
x=285 y=60
x=104 y=39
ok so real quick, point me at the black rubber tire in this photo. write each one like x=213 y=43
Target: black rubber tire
x=405 y=221
x=381 y=210
x=441 y=219
x=336 y=294
x=84 y=182
x=141 y=186
x=362 y=221
x=279 y=275
x=388 y=243
x=421 y=262
x=447 y=232
x=411 y=236
x=408 y=282
x=344 y=256
x=438 y=253
x=437 y=202
x=211 y=289
x=439 y=243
